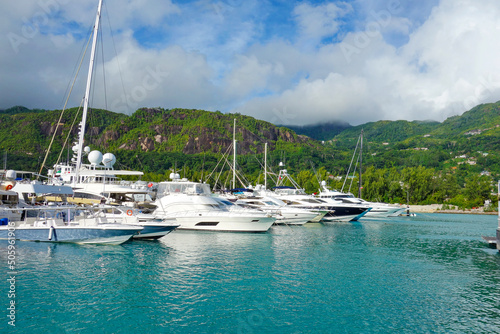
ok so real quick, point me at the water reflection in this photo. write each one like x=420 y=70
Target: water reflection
x=413 y=275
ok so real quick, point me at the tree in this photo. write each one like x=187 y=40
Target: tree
x=477 y=189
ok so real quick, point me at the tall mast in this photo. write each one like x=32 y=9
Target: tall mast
x=234 y=154
x=265 y=166
x=361 y=164
x=87 y=93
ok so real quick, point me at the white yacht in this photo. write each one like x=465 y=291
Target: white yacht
x=284 y=214
x=196 y=208
x=295 y=196
x=65 y=223
x=9 y=200
x=53 y=225
x=378 y=210
x=153 y=227
x=97 y=182
x=41 y=220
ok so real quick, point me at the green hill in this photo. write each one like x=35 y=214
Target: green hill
x=156 y=139
x=150 y=139
x=323 y=131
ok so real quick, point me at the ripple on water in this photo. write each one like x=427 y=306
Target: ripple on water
x=430 y=274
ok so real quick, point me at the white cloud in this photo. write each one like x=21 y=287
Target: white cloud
x=447 y=67
x=317 y=22
x=229 y=56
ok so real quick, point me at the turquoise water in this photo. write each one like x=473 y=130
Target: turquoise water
x=427 y=274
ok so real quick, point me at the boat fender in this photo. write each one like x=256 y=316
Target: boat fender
x=51 y=232
x=129 y=212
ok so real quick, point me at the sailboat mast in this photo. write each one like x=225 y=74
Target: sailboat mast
x=265 y=166
x=87 y=93
x=234 y=154
x=361 y=164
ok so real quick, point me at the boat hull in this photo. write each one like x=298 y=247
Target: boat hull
x=152 y=232
x=498 y=238
x=345 y=214
x=295 y=218
x=383 y=213
x=109 y=235
x=225 y=224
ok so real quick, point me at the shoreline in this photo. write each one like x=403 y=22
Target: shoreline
x=436 y=208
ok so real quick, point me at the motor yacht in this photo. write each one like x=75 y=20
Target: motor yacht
x=378 y=210
x=196 y=208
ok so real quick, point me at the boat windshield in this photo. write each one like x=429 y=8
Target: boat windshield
x=189 y=188
x=225 y=202
x=289 y=191
x=312 y=200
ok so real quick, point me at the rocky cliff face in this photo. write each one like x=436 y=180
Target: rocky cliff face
x=194 y=131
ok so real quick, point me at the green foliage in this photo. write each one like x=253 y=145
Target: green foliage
x=419 y=162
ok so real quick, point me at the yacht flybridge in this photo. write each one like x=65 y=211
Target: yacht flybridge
x=97 y=182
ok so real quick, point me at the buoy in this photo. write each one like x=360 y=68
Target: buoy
x=9 y=187
x=129 y=212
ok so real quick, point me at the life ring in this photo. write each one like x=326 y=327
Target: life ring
x=129 y=212
x=9 y=187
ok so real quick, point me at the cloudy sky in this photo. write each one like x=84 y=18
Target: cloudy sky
x=287 y=62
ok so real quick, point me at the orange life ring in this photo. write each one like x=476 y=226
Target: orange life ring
x=9 y=187
x=129 y=212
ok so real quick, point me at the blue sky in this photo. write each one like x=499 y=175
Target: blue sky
x=288 y=62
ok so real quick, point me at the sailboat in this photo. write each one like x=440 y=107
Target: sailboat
x=378 y=210
x=295 y=196
x=97 y=181
x=67 y=223
x=196 y=208
x=260 y=198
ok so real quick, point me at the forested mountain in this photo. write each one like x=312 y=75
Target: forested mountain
x=150 y=139
x=156 y=140
x=19 y=110
x=323 y=131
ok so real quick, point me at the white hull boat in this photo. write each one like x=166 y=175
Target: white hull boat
x=153 y=227
x=51 y=226
x=196 y=208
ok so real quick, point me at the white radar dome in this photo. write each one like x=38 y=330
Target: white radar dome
x=108 y=160
x=86 y=149
x=95 y=157
x=11 y=174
